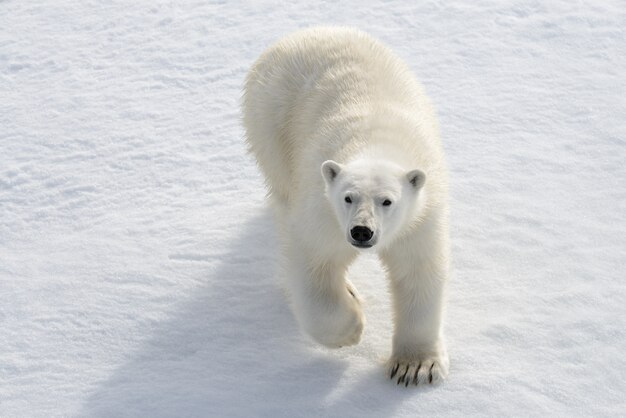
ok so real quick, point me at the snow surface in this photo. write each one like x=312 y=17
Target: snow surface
x=137 y=257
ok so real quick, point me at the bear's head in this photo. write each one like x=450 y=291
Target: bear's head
x=373 y=200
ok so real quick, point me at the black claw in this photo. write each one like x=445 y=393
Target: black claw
x=416 y=379
x=430 y=374
x=394 y=371
x=401 y=378
x=352 y=293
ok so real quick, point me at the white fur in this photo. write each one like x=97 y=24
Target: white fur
x=331 y=113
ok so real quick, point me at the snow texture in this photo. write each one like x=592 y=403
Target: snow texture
x=137 y=256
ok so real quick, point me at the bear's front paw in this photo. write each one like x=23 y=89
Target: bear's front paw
x=334 y=333
x=353 y=331
x=336 y=324
x=427 y=369
x=347 y=326
x=353 y=335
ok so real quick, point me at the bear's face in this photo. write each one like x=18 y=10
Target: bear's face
x=373 y=200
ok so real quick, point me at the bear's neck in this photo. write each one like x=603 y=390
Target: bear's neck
x=383 y=151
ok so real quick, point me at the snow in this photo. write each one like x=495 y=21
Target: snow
x=137 y=257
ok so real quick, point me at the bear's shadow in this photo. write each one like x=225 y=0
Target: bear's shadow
x=214 y=357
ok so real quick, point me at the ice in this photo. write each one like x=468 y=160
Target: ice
x=137 y=255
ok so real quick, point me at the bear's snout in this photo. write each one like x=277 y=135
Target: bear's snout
x=361 y=235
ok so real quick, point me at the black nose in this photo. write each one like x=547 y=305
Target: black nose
x=361 y=233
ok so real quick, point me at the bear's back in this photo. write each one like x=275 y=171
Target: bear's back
x=307 y=93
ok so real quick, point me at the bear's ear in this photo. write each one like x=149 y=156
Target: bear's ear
x=416 y=178
x=330 y=170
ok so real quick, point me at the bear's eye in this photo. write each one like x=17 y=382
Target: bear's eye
x=347 y=199
x=387 y=202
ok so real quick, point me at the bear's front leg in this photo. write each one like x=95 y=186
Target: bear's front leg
x=325 y=304
x=417 y=269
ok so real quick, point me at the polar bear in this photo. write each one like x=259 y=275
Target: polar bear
x=349 y=147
